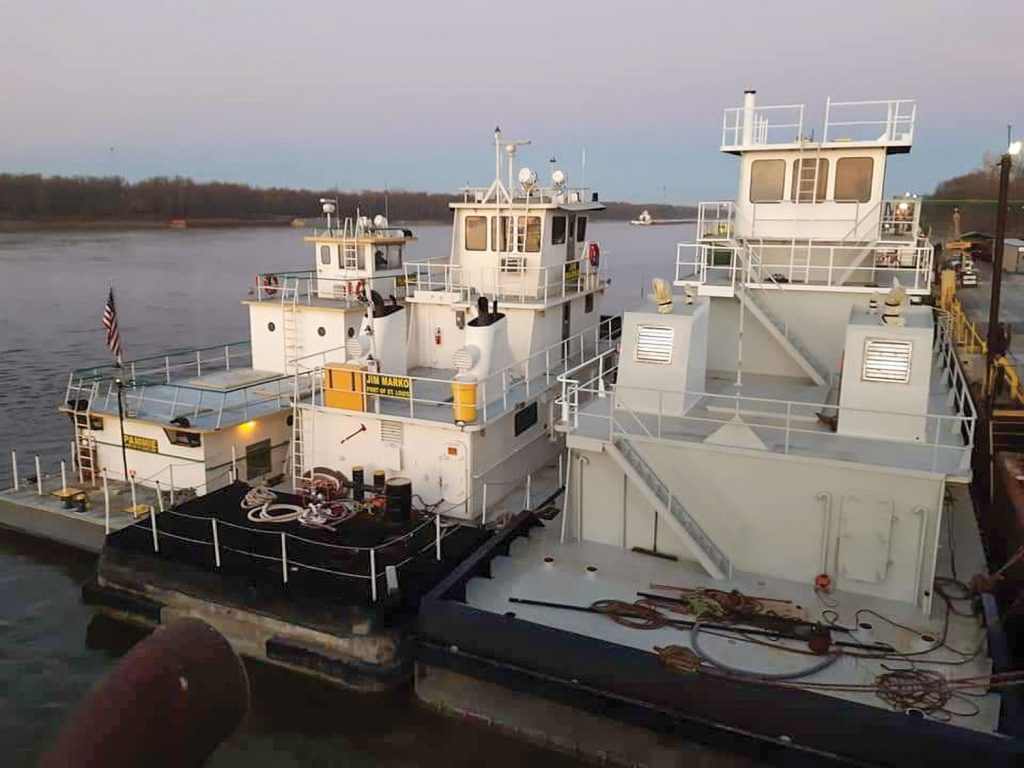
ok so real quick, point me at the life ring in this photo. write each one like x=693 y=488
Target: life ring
x=593 y=253
x=270 y=284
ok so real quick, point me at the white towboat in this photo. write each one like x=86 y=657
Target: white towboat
x=765 y=481
x=643 y=220
x=387 y=416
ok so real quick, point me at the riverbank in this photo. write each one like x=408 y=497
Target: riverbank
x=76 y=223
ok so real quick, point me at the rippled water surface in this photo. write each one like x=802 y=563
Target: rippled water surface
x=182 y=289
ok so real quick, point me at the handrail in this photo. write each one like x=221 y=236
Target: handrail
x=813 y=264
x=305 y=285
x=544 y=364
x=132 y=367
x=960 y=423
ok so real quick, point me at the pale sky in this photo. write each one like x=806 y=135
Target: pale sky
x=312 y=93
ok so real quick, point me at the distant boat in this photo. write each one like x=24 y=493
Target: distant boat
x=646 y=220
x=179 y=223
x=298 y=223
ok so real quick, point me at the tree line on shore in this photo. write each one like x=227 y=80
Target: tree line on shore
x=975 y=194
x=33 y=197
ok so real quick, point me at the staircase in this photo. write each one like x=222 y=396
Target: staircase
x=669 y=508
x=780 y=331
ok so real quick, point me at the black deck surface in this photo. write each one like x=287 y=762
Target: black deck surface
x=321 y=571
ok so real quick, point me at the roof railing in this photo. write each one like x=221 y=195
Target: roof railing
x=885 y=122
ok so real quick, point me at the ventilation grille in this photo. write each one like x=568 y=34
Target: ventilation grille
x=654 y=344
x=886 y=360
x=392 y=432
x=462 y=360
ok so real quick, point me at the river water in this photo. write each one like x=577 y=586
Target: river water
x=181 y=288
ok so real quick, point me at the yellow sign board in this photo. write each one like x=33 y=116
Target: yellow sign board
x=572 y=270
x=388 y=386
x=136 y=443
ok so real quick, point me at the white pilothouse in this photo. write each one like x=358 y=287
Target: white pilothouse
x=794 y=426
x=443 y=371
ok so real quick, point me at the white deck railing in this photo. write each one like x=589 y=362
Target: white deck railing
x=304 y=286
x=513 y=281
x=171 y=385
x=778 y=124
x=496 y=394
x=806 y=264
x=949 y=442
x=887 y=122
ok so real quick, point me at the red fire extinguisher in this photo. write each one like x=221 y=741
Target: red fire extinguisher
x=437 y=336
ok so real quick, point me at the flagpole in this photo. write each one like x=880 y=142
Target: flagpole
x=120 y=417
x=114 y=342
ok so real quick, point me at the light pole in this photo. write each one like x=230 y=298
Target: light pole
x=994 y=336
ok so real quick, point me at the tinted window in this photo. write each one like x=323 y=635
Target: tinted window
x=558 y=230
x=476 y=233
x=853 y=178
x=809 y=186
x=325 y=254
x=581 y=229
x=767 y=180
x=257 y=460
x=501 y=233
x=529 y=233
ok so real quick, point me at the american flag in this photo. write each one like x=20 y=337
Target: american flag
x=110 y=323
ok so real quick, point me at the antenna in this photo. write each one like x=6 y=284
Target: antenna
x=386 y=213
x=511 y=147
x=583 y=170
x=497 y=153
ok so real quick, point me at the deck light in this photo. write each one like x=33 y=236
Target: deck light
x=1014 y=148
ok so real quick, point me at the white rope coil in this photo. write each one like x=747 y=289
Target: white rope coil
x=261 y=514
x=258 y=497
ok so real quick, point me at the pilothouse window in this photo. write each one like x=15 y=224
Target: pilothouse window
x=581 y=229
x=809 y=184
x=853 y=179
x=767 y=180
x=558 y=230
x=501 y=234
x=529 y=234
x=476 y=233
x=325 y=254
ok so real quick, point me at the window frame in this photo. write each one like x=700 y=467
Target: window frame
x=183 y=438
x=820 y=193
x=581 y=229
x=555 y=227
x=466 y=232
x=870 y=179
x=325 y=250
x=529 y=246
x=502 y=233
x=254 y=448
x=778 y=162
